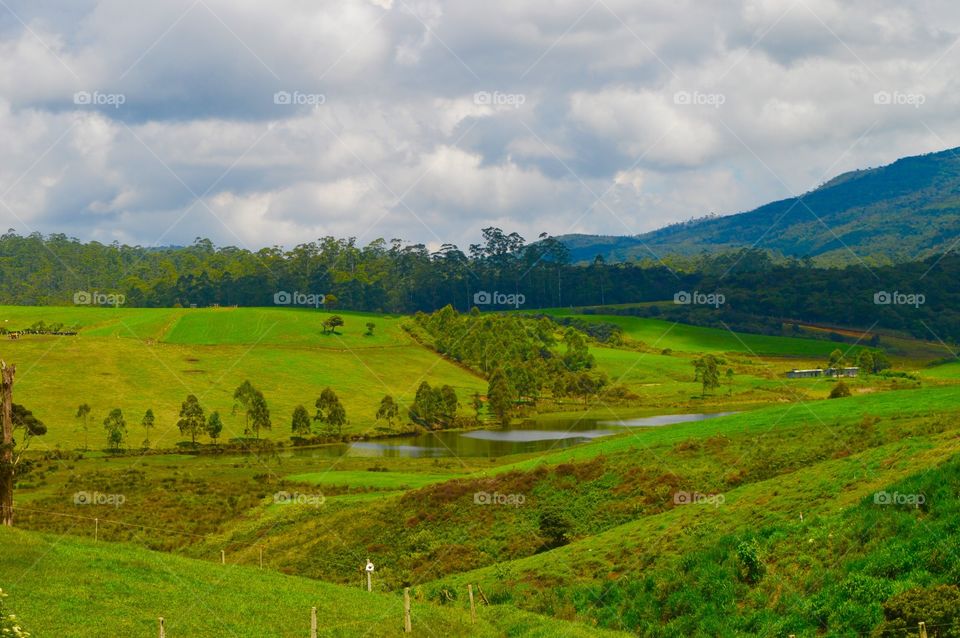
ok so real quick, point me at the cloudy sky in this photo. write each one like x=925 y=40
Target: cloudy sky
x=258 y=123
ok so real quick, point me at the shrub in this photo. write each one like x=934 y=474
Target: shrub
x=938 y=607
x=748 y=558
x=840 y=390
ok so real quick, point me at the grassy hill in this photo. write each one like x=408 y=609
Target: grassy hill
x=637 y=559
x=137 y=359
x=909 y=209
x=68 y=587
x=593 y=533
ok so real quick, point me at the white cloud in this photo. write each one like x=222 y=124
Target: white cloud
x=399 y=117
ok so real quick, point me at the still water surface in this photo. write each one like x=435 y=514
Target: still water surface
x=529 y=436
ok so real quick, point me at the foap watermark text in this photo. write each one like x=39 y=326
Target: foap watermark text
x=284 y=298
x=495 y=298
x=697 y=298
x=496 y=498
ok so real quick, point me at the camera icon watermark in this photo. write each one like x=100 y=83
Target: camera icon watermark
x=697 y=298
x=899 y=98
x=96 y=98
x=95 y=298
x=495 y=298
x=496 y=98
x=284 y=298
x=296 y=498
x=496 y=498
x=296 y=98
x=696 y=498
x=896 y=498
x=696 y=98
x=99 y=498
x=897 y=298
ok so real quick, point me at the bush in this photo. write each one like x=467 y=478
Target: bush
x=938 y=607
x=750 y=563
x=840 y=390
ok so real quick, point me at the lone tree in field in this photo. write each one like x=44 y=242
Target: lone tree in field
x=388 y=411
x=116 y=427
x=330 y=410
x=300 y=425
x=214 y=426
x=191 y=420
x=83 y=414
x=370 y=327
x=330 y=325
x=147 y=422
x=707 y=372
x=13 y=417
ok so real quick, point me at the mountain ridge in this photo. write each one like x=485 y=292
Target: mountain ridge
x=906 y=210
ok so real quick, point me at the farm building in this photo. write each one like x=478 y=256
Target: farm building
x=820 y=372
x=805 y=374
x=841 y=372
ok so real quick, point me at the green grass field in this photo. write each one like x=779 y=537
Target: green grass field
x=676 y=336
x=629 y=556
x=139 y=359
x=68 y=587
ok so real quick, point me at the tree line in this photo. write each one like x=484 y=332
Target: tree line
x=761 y=289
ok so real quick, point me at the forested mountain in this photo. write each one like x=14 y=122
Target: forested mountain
x=907 y=210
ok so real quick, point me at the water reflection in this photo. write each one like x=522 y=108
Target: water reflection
x=530 y=436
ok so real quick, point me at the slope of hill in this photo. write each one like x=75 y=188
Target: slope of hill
x=825 y=550
x=909 y=209
x=151 y=358
x=68 y=587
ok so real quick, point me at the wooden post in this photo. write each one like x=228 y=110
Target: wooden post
x=407 y=624
x=96 y=530
x=923 y=630
x=313 y=622
x=223 y=557
x=482 y=596
x=163 y=633
x=6 y=457
x=473 y=609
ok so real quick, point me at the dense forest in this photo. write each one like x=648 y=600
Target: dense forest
x=503 y=271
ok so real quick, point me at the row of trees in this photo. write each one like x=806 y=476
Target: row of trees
x=760 y=290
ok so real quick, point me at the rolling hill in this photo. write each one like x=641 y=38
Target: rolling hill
x=907 y=210
x=70 y=587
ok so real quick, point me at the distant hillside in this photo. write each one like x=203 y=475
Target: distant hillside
x=907 y=210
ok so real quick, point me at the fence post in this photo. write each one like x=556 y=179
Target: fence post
x=407 y=625
x=313 y=622
x=96 y=530
x=923 y=630
x=223 y=557
x=473 y=610
x=163 y=633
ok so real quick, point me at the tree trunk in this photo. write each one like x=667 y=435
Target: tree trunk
x=6 y=446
